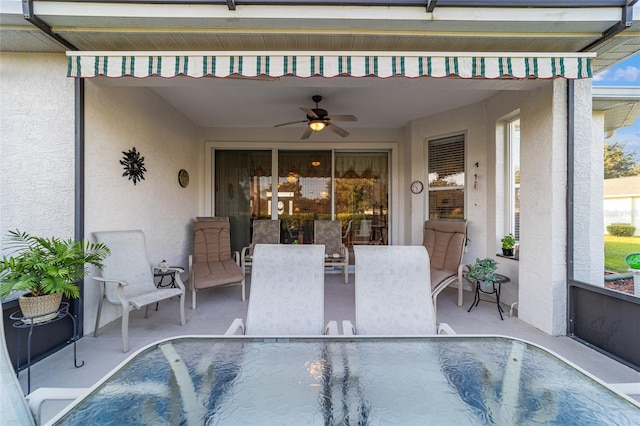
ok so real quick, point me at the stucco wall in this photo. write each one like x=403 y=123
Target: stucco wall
x=543 y=210
x=118 y=119
x=588 y=249
x=36 y=145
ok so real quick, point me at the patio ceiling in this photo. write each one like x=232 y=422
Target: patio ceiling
x=452 y=26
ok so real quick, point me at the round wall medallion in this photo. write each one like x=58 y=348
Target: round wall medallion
x=417 y=187
x=183 y=178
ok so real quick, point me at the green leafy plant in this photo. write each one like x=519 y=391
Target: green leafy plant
x=508 y=241
x=483 y=271
x=47 y=265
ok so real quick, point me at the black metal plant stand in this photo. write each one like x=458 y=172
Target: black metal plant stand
x=493 y=289
x=28 y=322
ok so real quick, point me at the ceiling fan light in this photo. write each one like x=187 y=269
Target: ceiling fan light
x=317 y=125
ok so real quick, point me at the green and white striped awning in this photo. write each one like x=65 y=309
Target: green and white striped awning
x=330 y=64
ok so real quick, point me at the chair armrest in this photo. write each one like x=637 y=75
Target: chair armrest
x=347 y=328
x=177 y=277
x=38 y=397
x=244 y=251
x=331 y=328
x=237 y=324
x=444 y=328
x=105 y=280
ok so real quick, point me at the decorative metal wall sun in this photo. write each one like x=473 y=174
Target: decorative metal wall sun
x=133 y=165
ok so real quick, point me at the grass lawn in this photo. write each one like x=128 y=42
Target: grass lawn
x=616 y=249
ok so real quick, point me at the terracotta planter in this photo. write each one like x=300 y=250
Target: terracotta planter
x=40 y=308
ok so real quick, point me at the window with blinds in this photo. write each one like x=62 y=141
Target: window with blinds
x=446 y=177
x=514 y=177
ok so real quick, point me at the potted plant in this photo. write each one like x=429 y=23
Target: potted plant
x=483 y=271
x=508 y=242
x=46 y=268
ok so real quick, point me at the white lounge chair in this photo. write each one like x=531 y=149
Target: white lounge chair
x=328 y=233
x=127 y=278
x=393 y=292
x=15 y=409
x=287 y=292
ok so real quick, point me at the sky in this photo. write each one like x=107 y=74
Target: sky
x=626 y=73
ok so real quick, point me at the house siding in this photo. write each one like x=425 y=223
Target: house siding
x=37 y=145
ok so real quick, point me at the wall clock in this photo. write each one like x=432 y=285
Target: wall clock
x=417 y=187
x=133 y=165
x=183 y=178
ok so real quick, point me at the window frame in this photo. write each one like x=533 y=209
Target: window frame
x=456 y=138
x=511 y=184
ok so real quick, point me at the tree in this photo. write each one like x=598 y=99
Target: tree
x=618 y=162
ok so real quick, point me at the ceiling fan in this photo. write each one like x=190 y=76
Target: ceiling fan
x=319 y=119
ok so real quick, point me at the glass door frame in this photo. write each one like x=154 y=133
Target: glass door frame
x=395 y=197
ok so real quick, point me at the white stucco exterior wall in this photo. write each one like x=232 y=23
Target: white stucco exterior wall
x=118 y=119
x=542 y=292
x=36 y=145
x=588 y=209
x=470 y=121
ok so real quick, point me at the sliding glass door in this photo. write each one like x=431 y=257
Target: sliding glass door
x=242 y=191
x=306 y=191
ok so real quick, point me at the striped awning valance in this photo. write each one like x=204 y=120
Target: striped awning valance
x=325 y=64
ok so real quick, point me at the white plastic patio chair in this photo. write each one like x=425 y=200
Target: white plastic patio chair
x=127 y=278
x=328 y=233
x=363 y=233
x=265 y=231
x=393 y=293
x=287 y=292
x=15 y=408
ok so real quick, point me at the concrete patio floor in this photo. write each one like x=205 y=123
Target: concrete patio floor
x=217 y=308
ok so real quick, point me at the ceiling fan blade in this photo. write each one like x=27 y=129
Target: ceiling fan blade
x=342 y=118
x=309 y=112
x=337 y=129
x=306 y=133
x=291 y=122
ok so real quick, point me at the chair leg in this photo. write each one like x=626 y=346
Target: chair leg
x=125 y=330
x=435 y=307
x=95 y=330
x=193 y=298
x=243 y=290
x=182 y=319
x=146 y=311
x=459 y=293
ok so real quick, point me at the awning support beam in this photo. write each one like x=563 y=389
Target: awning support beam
x=625 y=22
x=27 y=14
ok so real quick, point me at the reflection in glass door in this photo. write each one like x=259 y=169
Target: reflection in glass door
x=304 y=193
x=362 y=196
x=242 y=191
